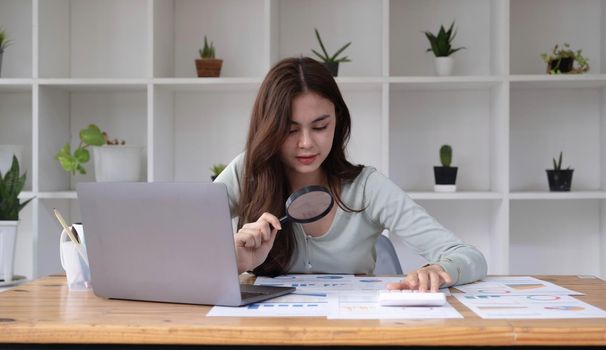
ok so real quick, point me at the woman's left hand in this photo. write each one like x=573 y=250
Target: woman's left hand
x=426 y=278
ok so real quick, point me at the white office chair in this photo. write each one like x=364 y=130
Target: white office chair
x=387 y=258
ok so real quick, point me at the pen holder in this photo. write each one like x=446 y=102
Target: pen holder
x=76 y=268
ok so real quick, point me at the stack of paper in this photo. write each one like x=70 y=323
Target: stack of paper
x=351 y=297
x=335 y=297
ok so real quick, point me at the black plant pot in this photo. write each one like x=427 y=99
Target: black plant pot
x=213 y=177
x=564 y=65
x=559 y=180
x=333 y=68
x=446 y=178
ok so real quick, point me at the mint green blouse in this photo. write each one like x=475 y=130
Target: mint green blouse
x=349 y=245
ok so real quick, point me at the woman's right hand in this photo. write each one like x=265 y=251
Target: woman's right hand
x=254 y=241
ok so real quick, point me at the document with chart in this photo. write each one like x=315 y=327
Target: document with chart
x=528 y=306
x=514 y=285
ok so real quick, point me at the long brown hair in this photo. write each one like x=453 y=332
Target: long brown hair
x=265 y=187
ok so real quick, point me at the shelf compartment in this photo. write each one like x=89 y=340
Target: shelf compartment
x=93 y=39
x=538 y=25
x=16 y=127
x=472 y=221
x=338 y=22
x=195 y=129
x=16 y=19
x=555 y=237
x=365 y=108
x=180 y=27
x=423 y=120
x=473 y=20
x=64 y=112
x=546 y=121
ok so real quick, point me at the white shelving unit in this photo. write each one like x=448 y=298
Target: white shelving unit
x=128 y=66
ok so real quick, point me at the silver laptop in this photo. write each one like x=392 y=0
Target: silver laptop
x=167 y=242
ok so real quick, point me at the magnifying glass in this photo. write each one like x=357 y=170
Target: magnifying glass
x=308 y=204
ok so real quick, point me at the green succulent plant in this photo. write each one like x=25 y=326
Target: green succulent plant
x=216 y=169
x=4 y=42
x=208 y=51
x=11 y=185
x=557 y=165
x=325 y=57
x=446 y=155
x=441 y=44
x=558 y=54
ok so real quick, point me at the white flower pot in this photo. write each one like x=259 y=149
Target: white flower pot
x=445 y=188
x=6 y=157
x=8 y=239
x=118 y=163
x=444 y=65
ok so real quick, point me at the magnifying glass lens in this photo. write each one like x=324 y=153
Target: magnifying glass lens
x=310 y=206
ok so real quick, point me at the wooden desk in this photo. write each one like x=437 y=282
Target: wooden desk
x=45 y=311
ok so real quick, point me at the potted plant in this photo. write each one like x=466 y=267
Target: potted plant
x=331 y=62
x=114 y=160
x=562 y=60
x=445 y=175
x=6 y=156
x=559 y=179
x=216 y=169
x=441 y=46
x=11 y=185
x=207 y=65
x=4 y=42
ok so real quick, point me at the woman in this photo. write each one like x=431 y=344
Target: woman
x=298 y=132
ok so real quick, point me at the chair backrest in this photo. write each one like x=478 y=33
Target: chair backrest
x=387 y=258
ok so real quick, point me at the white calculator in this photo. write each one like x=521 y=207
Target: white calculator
x=408 y=297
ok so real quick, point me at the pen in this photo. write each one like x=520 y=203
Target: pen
x=70 y=235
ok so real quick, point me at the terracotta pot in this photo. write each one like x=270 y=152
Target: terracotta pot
x=208 y=67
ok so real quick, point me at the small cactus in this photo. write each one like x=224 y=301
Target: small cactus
x=446 y=155
x=208 y=51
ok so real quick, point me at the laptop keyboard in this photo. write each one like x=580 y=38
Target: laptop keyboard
x=247 y=295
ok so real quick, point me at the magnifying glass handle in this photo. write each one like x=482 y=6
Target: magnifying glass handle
x=283 y=219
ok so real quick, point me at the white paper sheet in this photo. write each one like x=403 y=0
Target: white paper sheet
x=517 y=285
x=528 y=306
x=297 y=304
x=364 y=305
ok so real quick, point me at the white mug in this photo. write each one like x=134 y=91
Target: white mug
x=76 y=268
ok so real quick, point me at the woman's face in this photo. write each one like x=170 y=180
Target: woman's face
x=312 y=129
